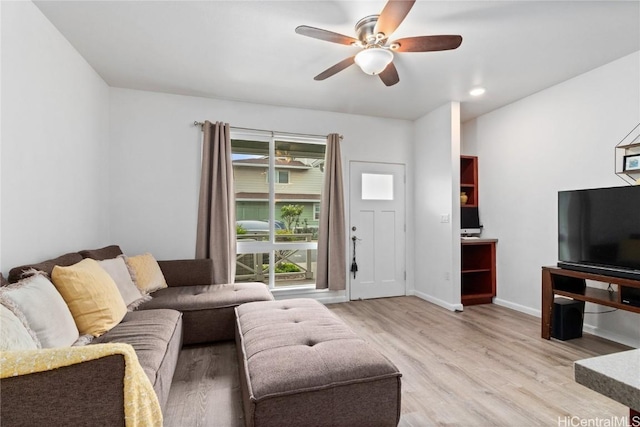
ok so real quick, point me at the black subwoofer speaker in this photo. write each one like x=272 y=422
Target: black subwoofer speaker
x=567 y=319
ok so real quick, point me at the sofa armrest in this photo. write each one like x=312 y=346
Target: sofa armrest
x=84 y=394
x=187 y=272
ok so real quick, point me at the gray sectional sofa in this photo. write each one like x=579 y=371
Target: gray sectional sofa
x=190 y=311
x=299 y=364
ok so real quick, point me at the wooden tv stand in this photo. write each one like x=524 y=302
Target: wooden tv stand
x=572 y=284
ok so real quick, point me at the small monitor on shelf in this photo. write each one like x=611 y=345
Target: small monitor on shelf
x=470 y=221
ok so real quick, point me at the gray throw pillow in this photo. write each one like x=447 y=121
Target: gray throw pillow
x=119 y=272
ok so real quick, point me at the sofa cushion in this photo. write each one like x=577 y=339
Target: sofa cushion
x=108 y=252
x=146 y=273
x=187 y=272
x=13 y=333
x=200 y=297
x=45 y=311
x=15 y=274
x=208 y=314
x=92 y=296
x=117 y=269
x=156 y=336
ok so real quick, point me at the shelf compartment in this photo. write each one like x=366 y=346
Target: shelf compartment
x=477 y=256
x=480 y=282
x=473 y=299
x=469 y=179
x=598 y=296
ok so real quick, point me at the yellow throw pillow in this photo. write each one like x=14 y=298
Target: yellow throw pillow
x=92 y=296
x=146 y=273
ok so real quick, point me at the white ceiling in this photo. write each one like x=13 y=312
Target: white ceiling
x=248 y=50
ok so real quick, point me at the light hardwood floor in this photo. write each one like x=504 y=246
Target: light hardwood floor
x=486 y=366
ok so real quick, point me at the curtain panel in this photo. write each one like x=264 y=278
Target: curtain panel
x=216 y=232
x=332 y=256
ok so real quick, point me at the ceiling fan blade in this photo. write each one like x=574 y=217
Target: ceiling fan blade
x=392 y=16
x=427 y=43
x=345 y=63
x=318 y=33
x=390 y=75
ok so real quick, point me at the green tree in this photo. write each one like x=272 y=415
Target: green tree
x=290 y=214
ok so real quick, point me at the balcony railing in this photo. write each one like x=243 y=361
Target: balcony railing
x=255 y=266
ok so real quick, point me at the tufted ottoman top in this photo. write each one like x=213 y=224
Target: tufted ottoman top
x=298 y=345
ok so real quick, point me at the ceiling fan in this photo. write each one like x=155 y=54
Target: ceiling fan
x=373 y=34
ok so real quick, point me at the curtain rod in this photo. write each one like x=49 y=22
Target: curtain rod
x=197 y=123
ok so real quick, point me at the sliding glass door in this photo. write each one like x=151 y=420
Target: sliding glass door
x=278 y=182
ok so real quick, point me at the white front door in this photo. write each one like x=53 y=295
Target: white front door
x=377 y=221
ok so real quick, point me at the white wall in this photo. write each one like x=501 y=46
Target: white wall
x=559 y=139
x=437 y=185
x=54 y=142
x=155 y=159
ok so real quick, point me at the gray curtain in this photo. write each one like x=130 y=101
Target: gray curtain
x=332 y=257
x=216 y=238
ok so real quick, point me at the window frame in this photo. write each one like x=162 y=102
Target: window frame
x=269 y=246
x=316 y=211
x=277 y=175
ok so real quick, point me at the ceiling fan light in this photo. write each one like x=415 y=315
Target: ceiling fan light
x=373 y=60
x=477 y=91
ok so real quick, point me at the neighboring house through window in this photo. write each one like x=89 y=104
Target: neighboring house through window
x=282 y=176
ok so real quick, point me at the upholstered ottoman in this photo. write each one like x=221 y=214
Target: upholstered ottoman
x=300 y=365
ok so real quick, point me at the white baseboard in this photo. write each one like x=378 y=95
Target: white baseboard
x=610 y=335
x=324 y=296
x=437 y=301
x=517 y=307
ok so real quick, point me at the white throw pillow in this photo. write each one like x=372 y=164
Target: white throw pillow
x=119 y=272
x=44 y=309
x=13 y=333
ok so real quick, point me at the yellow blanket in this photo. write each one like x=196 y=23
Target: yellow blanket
x=141 y=403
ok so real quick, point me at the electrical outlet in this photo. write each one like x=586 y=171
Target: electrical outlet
x=447 y=276
x=444 y=218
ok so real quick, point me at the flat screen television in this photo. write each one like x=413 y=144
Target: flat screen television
x=599 y=231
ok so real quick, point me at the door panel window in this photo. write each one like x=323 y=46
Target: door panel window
x=377 y=186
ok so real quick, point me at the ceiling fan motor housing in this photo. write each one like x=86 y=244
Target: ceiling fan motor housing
x=365 y=30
